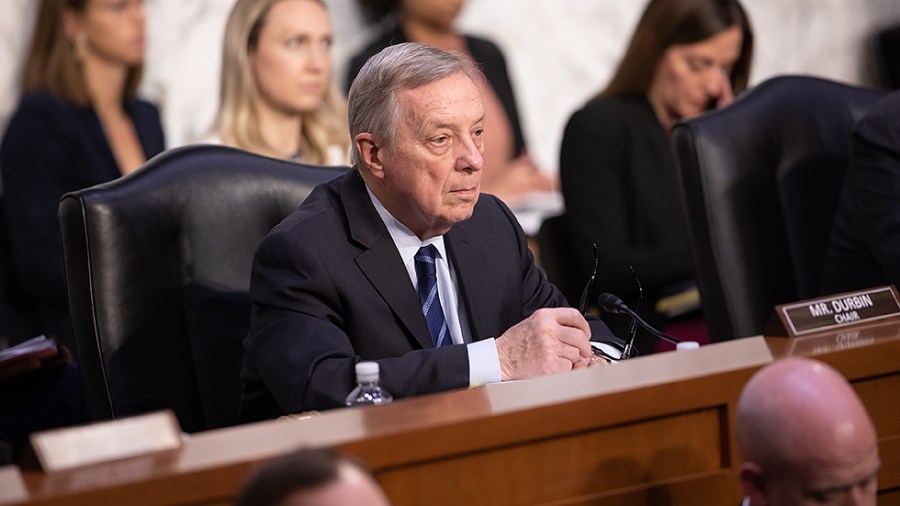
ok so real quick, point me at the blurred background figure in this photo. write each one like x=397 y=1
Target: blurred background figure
x=617 y=169
x=276 y=93
x=77 y=124
x=805 y=438
x=311 y=477
x=509 y=172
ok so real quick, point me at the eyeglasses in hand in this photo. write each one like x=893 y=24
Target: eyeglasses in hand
x=630 y=350
x=608 y=351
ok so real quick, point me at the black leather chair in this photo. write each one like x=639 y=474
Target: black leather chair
x=761 y=181
x=158 y=272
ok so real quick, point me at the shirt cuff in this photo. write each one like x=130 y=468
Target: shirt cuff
x=484 y=363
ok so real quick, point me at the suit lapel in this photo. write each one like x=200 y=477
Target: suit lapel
x=473 y=270
x=380 y=262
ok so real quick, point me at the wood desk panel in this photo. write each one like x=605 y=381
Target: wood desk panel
x=568 y=465
x=889 y=475
x=881 y=396
x=655 y=430
x=695 y=490
x=890 y=498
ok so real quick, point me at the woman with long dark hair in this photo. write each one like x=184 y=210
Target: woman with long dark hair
x=616 y=167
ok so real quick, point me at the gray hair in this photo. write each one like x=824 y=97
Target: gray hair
x=372 y=105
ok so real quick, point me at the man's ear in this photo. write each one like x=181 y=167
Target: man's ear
x=753 y=483
x=371 y=154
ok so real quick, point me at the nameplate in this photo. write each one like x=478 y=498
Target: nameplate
x=835 y=311
x=67 y=448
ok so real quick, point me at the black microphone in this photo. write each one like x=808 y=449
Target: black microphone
x=612 y=304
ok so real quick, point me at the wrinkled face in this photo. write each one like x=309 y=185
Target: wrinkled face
x=292 y=59
x=848 y=478
x=111 y=30
x=438 y=14
x=692 y=78
x=351 y=487
x=432 y=173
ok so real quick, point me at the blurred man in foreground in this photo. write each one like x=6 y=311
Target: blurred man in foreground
x=805 y=438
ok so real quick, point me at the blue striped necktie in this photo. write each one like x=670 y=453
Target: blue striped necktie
x=428 y=296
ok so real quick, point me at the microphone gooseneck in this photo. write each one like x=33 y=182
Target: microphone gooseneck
x=612 y=304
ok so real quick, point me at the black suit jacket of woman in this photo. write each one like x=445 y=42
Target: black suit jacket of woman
x=329 y=288
x=52 y=147
x=485 y=53
x=620 y=187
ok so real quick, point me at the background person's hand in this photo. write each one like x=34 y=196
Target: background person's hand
x=517 y=178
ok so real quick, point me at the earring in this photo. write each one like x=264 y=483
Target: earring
x=78 y=46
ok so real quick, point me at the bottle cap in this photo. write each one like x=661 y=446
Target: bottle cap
x=685 y=345
x=367 y=371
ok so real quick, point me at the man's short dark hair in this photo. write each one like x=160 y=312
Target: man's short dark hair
x=279 y=478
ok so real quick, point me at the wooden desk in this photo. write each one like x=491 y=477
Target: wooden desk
x=655 y=430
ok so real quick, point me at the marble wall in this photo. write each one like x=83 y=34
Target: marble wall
x=560 y=51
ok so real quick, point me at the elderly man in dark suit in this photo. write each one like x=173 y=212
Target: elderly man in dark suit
x=403 y=261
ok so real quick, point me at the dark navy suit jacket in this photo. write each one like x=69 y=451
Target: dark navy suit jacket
x=864 y=249
x=329 y=287
x=52 y=147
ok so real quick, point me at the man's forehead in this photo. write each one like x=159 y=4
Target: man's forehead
x=453 y=88
x=451 y=99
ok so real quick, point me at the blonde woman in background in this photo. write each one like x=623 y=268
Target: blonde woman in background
x=276 y=92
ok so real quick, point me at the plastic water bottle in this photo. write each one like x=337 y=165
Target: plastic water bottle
x=368 y=390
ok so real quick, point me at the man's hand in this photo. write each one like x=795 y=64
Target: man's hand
x=550 y=341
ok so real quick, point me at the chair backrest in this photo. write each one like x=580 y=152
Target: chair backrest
x=761 y=181
x=158 y=273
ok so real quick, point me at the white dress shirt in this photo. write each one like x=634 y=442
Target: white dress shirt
x=484 y=363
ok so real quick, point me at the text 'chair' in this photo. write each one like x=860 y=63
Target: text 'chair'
x=761 y=181
x=158 y=272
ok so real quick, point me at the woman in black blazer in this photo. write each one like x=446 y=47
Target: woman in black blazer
x=616 y=167
x=78 y=124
